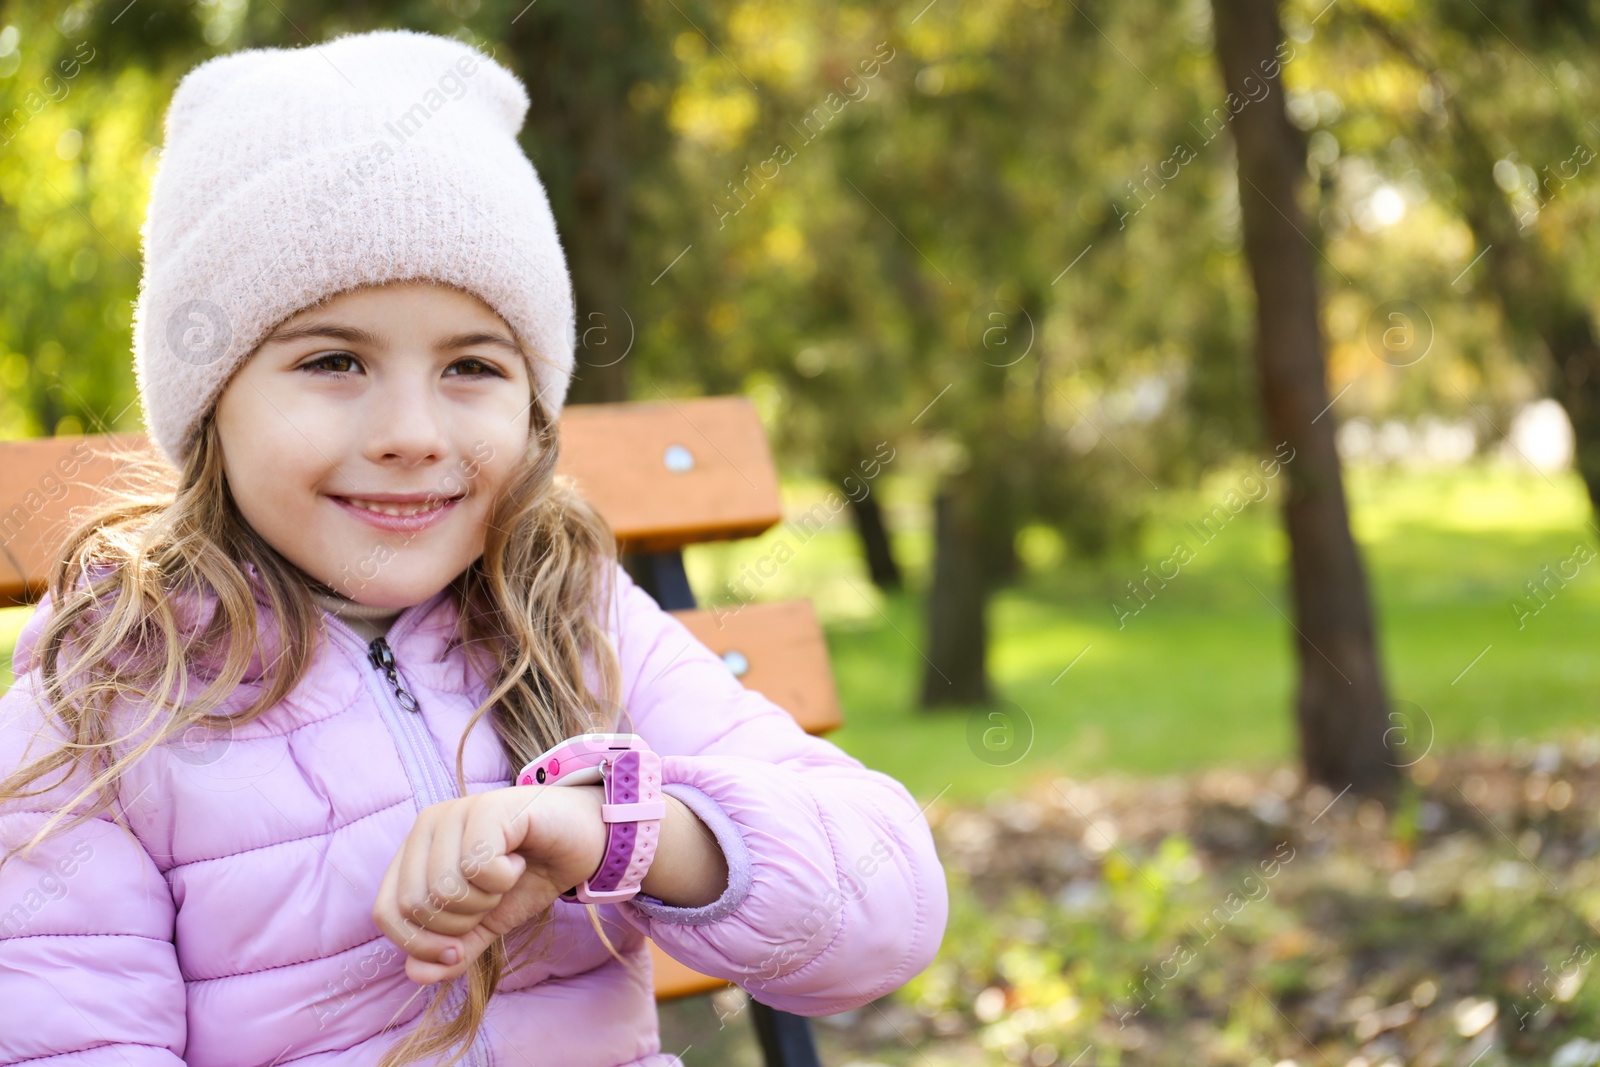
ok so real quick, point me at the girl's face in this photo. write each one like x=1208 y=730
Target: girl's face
x=411 y=398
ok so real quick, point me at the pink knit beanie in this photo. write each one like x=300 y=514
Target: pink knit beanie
x=292 y=175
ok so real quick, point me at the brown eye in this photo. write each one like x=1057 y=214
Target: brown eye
x=484 y=369
x=316 y=366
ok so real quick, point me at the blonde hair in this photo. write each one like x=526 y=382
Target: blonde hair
x=528 y=614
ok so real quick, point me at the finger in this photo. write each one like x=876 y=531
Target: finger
x=428 y=946
x=533 y=896
x=517 y=908
x=386 y=908
x=450 y=890
x=487 y=861
x=407 y=912
x=499 y=875
x=447 y=923
x=412 y=889
x=425 y=973
x=411 y=938
x=426 y=970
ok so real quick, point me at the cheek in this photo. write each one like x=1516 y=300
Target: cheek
x=471 y=534
x=495 y=454
x=271 y=472
x=485 y=469
x=274 y=499
x=270 y=476
x=266 y=455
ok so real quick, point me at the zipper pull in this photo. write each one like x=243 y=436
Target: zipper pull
x=382 y=657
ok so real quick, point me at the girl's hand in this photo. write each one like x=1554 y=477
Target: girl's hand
x=473 y=869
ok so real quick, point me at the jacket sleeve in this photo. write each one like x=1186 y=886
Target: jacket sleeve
x=835 y=893
x=88 y=968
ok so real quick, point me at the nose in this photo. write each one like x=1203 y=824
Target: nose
x=406 y=423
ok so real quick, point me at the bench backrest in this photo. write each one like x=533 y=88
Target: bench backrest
x=664 y=474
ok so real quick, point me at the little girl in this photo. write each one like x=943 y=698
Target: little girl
x=258 y=803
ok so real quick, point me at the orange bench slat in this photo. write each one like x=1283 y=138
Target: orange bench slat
x=674 y=980
x=787 y=658
x=41 y=482
x=621 y=458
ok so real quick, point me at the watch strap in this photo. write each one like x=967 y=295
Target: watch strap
x=632 y=810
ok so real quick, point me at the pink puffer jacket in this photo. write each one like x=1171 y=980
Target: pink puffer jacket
x=234 y=927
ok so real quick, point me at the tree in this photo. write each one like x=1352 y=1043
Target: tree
x=1341 y=704
x=593 y=149
x=1526 y=264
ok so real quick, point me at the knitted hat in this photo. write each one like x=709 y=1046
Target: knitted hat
x=291 y=175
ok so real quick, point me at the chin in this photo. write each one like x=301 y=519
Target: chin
x=377 y=576
x=397 y=596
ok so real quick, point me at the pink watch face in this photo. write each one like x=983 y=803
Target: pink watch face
x=577 y=760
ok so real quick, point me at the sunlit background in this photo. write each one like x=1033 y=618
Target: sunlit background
x=1003 y=243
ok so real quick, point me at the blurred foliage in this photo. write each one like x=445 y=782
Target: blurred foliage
x=1389 y=188
x=1003 y=235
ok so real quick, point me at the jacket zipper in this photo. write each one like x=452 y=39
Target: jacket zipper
x=382 y=657
x=403 y=716
x=410 y=724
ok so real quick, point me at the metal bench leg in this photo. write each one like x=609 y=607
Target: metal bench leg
x=785 y=1039
x=662 y=575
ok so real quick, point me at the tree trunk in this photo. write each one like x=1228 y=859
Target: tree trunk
x=1341 y=706
x=1000 y=504
x=599 y=257
x=873 y=532
x=574 y=135
x=955 y=669
x=1569 y=337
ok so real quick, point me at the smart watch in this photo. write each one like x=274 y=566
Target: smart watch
x=632 y=810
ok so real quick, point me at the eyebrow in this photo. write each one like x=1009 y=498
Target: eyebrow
x=358 y=336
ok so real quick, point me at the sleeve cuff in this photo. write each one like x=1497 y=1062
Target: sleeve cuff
x=734 y=851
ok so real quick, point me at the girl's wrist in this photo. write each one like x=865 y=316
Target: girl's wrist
x=574 y=820
x=690 y=869
x=595 y=833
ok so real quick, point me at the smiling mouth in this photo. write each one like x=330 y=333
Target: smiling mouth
x=405 y=510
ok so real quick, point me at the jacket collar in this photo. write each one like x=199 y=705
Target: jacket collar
x=420 y=634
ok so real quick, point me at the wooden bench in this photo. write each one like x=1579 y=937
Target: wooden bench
x=665 y=475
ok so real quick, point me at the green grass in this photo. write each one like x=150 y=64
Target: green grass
x=1204 y=675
